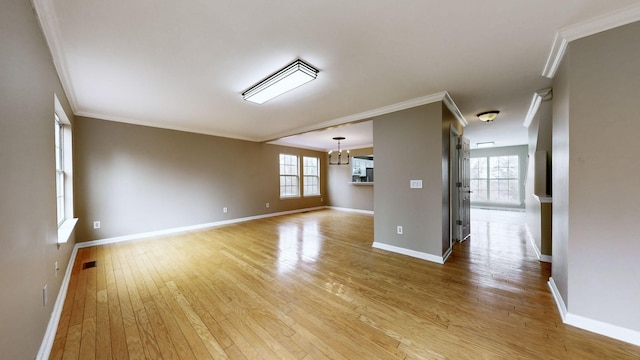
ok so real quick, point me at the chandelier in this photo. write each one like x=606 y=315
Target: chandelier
x=339 y=162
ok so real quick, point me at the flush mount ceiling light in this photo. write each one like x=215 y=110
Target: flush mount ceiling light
x=288 y=78
x=339 y=162
x=488 y=116
x=488 y=144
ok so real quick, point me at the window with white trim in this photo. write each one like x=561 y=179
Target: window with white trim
x=311 y=176
x=495 y=179
x=289 y=176
x=59 y=144
x=64 y=173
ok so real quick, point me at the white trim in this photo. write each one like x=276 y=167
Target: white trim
x=56 y=312
x=45 y=12
x=562 y=308
x=182 y=229
x=451 y=105
x=447 y=253
x=66 y=229
x=595 y=326
x=538 y=97
x=602 y=328
x=620 y=17
x=369 y=212
x=532 y=241
x=408 y=252
x=428 y=99
x=157 y=125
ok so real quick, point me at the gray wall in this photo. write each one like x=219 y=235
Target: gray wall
x=560 y=178
x=345 y=195
x=408 y=146
x=137 y=179
x=539 y=134
x=28 y=82
x=596 y=170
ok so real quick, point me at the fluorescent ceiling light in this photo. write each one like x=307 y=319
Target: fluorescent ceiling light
x=288 y=78
x=487 y=144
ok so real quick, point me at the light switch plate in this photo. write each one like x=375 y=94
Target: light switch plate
x=415 y=184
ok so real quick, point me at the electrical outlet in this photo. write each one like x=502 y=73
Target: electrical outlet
x=399 y=230
x=56 y=268
x=44 y=296
x=96 y=224
x=225 y=210
x=267 y=205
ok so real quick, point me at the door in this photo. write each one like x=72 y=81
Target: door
x=465 y=188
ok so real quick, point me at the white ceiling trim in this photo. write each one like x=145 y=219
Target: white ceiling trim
x=428 y=99
x=620 y=17
x=448 y=101
x=538 y=97
x=46 y=15
x=162 y=126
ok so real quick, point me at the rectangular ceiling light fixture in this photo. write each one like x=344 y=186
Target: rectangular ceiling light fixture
x=288 y=78
x=487 y=144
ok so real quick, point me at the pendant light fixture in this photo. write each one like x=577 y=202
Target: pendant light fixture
x=339 y=162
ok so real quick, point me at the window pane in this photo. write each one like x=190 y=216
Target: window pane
x=311 y=175
x=289 y=176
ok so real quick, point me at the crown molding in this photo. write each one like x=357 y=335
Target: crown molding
x=163 y=126
x=367 y=115
x=46 y=15
x=564 y=36
x=538 y=97
x=451 y=105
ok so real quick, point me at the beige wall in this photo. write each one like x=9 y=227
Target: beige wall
x=137 y=179
x=346 y=195
x=596 y=171
x=28 y=239
x=408 y=146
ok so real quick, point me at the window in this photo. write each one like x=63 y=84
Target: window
x=59 y=144
x=289 y=176
x=64 y=173
x=311 y=176
x=495 y=179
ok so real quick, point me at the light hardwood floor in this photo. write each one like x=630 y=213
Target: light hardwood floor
x=309 y=286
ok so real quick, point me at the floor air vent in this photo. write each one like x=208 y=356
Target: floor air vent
x=90 y=264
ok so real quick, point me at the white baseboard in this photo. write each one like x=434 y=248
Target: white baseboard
x=56 y=312
x=562 y=308
x=447 y=254
x=532 y=241
x=409 y=252
x=595 y=326
x=182 y=229
x=370 y=212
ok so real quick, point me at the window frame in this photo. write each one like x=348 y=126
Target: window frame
x=283 y=174
x=315 y=176
x=64 y=173
x=518 y=179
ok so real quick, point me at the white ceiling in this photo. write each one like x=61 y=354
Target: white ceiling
x=183 y=65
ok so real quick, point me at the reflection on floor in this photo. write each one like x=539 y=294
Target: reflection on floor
x=501 y=234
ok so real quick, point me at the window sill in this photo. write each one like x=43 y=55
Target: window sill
x=362 y=183
x=66 y=229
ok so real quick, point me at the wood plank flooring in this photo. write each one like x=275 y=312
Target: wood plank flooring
x=309 y=286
